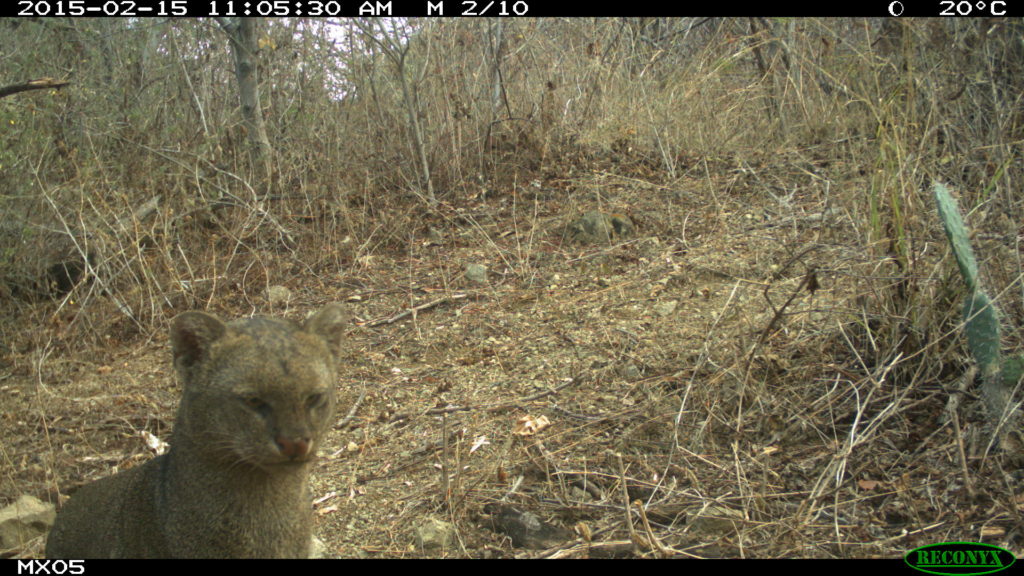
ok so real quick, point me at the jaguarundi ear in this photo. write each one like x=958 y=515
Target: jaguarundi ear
x=192 y=333
x=329 y=324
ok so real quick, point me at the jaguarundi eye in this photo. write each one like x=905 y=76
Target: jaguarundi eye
x=256 y=403
x=314 y=400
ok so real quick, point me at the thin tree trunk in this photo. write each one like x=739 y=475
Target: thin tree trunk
x=242 y=33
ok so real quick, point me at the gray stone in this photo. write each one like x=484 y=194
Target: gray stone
x=278 y=295
x=434 y=535
x=596 y=227
x=24 y=520
x=476 y=273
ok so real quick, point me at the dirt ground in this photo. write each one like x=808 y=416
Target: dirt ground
x=716 y=384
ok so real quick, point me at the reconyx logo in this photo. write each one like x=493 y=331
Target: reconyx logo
x=959 y=558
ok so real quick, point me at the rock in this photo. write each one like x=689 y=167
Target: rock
x=278 y=295
x=622 y=225
x=596 y=227
x=317 y=548
x=24 y=520
x=524 y=528
x=476 y=273
x=629 y=371
x=434 y=535
x=665 y=308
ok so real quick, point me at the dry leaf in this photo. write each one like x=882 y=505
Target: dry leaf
x=155 y=444
x=868 y=484
x=529 y=425
x=480 y=441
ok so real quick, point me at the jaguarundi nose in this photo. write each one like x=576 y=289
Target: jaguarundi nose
x=293 y=448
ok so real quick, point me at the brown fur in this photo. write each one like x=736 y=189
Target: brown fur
x=258 y=398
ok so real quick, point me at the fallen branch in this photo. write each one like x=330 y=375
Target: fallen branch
x=40 y=84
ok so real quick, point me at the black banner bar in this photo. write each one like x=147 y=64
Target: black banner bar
x=503 y=8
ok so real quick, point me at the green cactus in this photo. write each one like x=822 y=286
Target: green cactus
x=982 y=329
x=981 y=319
x=1013 y=369
x=957 y=234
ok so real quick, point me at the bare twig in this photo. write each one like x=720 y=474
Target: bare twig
x=417 y=309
